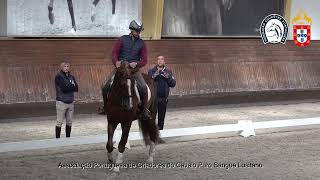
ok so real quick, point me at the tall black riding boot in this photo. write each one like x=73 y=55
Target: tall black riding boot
x=68 y=131
x=58 y=131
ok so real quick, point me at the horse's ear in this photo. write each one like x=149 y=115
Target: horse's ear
x=122 y=63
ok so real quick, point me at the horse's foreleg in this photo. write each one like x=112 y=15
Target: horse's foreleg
x=114 y=6
x=50 y=9
x=125 y=127
x=109 y=146
x=124 y=138
x=70 y=5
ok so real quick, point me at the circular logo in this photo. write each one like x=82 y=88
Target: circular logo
x=274 y=29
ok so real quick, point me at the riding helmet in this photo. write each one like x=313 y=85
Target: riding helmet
x=134 y=25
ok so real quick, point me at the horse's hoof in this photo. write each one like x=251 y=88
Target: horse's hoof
x=93 y=17
x=150 y=160
x=110 y=158
x=128 y=146
x=114 y=173
x=72 y=31
x=115 y=169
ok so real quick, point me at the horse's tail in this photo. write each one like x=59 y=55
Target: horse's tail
x=148 y=127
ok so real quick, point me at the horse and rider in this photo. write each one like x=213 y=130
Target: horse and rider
x=130 y=95
x=131 y=48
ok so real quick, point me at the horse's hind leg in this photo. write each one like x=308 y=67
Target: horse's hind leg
x=154 y=137
x=153 y=131
x=152 y=151
x=109 y=146
x=50 y=9
x=70 y=5
x=152 y=127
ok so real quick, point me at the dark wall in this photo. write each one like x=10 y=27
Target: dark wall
x=3 y=17
x=217 y=17
x=28 y=67
x=245 y=16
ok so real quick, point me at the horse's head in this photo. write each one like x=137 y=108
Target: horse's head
x=125 y=84
x=124 y=71
x=271 y=28
x=274 y=30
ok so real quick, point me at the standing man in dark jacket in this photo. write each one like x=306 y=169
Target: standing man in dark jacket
x=65 y=85
x=164 y=78
x=131 y=48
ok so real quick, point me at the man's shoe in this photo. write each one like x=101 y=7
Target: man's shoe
x=58 y=132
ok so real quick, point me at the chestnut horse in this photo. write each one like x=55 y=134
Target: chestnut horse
x=123 y=108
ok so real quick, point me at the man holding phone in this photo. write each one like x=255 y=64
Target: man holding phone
x=164 y=80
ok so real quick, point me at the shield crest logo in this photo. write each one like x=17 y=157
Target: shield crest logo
x=302 y=35
x=302 y=29
x=274 y=29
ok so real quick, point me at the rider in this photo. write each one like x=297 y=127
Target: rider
x=131 y=48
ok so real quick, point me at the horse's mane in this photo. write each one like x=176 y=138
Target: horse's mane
x=117 y=91
x=116 y=84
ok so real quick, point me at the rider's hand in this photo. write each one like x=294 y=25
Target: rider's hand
x=133 y=64
x=118 y=64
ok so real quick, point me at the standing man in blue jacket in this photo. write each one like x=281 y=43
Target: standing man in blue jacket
x=164 y=80
x=66 y=86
